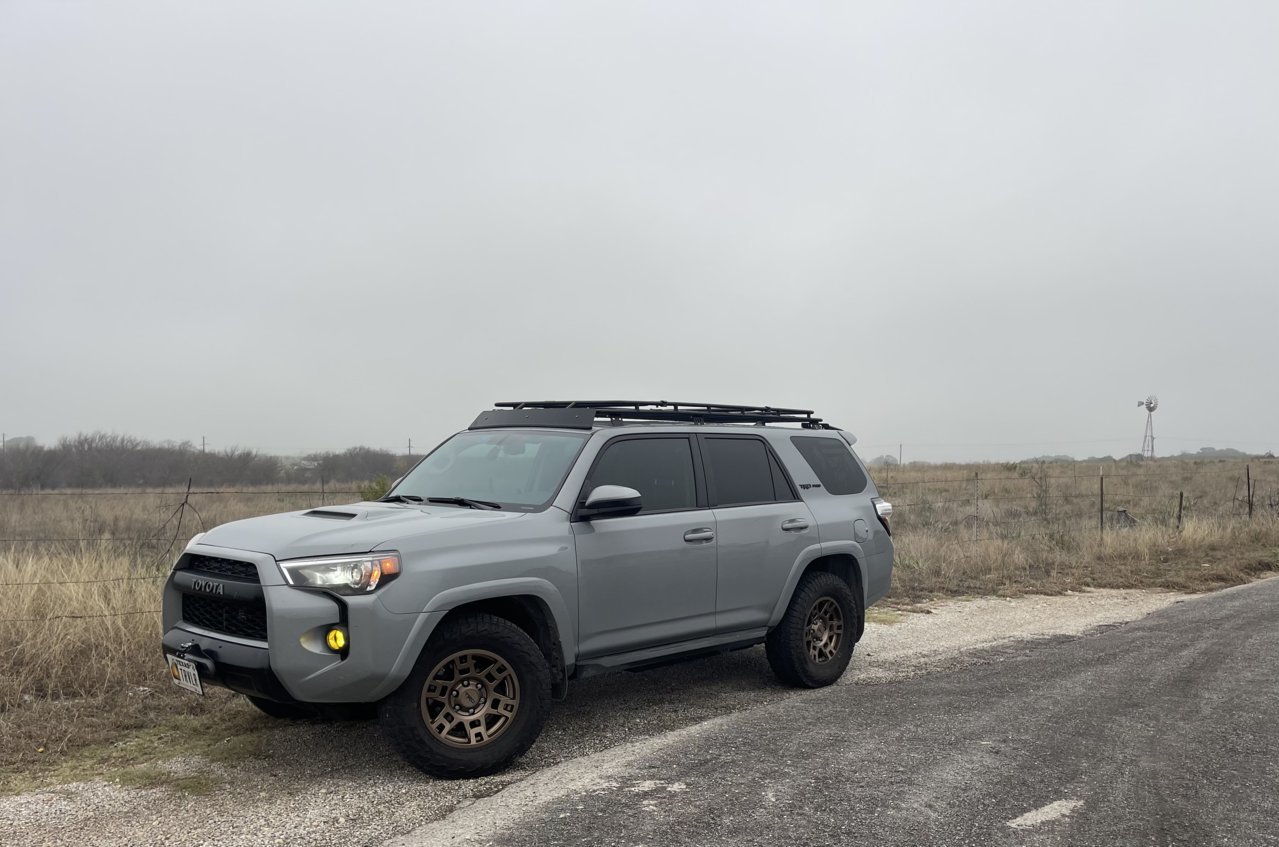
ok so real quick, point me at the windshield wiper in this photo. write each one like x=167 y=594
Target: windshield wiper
x=400 y=498
x=465 y=501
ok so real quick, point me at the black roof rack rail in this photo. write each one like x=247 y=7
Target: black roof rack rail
x=580 y=414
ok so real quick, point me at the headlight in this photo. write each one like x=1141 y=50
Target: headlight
x=343 y=574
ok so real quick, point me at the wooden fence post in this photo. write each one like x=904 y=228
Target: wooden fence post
x=1248 y=476
x=1181 y=497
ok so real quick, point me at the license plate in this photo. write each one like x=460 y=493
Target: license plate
x=184 y=674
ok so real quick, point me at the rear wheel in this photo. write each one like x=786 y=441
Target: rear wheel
x=813 y=643
x=475 y=701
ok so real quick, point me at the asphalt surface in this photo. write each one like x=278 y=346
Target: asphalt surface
x=1164 y=731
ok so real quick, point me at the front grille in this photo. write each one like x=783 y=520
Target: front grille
x=243 y=619
x=224 y=568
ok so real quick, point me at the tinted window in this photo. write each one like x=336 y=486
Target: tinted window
x=781 y=487
x=833 y=463
x=660 y=469
x=738 y=471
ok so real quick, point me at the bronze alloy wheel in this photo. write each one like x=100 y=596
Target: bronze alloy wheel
x=824 y=630
x=470 y=698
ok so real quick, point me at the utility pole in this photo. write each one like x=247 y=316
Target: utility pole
x=410 y=446
x=203 y=442
x=4 y=438
x=899 y=454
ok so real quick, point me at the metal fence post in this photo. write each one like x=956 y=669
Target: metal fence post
x=976 y=502
x=1101 y=503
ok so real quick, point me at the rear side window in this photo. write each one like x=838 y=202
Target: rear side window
x=833 y=463
x=738 y=471
x=660 y=469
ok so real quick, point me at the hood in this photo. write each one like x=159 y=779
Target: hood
x=334 y=530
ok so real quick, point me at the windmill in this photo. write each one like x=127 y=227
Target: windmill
x=1148 y=444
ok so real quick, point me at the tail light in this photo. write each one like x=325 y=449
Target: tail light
x=883 y=511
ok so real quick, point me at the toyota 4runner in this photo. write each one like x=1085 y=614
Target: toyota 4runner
x=548 y=542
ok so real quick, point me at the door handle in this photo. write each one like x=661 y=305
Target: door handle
x=704 y=533
x=794 y=525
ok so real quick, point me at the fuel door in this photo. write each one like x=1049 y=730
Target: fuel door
x=861 y=531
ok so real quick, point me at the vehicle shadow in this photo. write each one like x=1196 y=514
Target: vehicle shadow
x=599 y=713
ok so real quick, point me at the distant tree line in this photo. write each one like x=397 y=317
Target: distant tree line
x=110 y=460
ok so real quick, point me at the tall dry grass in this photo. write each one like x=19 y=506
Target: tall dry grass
x=1049 y=527
x=1207 y=553
x=1014 y=500
x=79 y=634
x=80 y=631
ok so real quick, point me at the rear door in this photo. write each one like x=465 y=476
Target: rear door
x=646 y=579
x=761 y=526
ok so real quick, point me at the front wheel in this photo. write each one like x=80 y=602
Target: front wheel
x=813 y=643
x=476 y=699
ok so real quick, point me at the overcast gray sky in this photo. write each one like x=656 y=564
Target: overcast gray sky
x=983 y=229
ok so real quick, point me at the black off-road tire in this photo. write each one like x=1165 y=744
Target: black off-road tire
x=406 y=727
x=788 y=649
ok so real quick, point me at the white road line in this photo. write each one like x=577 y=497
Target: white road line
x=483 y=821
x=1051 y=812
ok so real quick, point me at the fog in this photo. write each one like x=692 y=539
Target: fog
x=982 y=230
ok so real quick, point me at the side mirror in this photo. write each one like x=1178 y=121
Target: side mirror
x=611 y=501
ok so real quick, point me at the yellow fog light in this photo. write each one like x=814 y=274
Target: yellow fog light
x=336 y=639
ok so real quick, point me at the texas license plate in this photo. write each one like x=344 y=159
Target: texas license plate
x=184 y=674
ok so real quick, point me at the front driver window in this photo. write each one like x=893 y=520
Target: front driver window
x=660 y=469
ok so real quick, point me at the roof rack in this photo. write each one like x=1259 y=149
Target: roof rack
x=581 y=414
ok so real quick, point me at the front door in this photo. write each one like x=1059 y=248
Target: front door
x=650 y=578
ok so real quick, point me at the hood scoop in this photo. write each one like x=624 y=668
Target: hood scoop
x=330 y=514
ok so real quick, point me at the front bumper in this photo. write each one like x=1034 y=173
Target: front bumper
x=239 y=667
x=292 y=663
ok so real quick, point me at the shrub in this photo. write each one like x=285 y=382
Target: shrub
x=376 y=489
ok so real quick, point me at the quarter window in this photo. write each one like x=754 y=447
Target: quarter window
x=660 y=469
x=833 y=463
x=781 y=486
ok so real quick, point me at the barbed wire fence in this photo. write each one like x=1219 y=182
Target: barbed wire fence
x=1030 y=502
x=1035 y=502
x=149 y=545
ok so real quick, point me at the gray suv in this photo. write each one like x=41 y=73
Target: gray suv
x=550 y=541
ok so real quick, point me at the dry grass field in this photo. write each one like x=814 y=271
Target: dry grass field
x=82 y=684
x=1015 y=528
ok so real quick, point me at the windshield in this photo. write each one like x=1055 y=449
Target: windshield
x=519 y=470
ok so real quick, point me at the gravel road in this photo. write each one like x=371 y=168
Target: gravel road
x=339 y=784
x=1160 y=732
